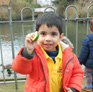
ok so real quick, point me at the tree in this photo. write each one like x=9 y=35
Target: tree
x=61 y=5
x=30 y=1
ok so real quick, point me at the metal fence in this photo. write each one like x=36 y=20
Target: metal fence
x=33 y=22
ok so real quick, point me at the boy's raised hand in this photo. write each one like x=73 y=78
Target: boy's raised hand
x=68 y=89
x=30 y=45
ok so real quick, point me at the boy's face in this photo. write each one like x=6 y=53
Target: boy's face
x=49 y=37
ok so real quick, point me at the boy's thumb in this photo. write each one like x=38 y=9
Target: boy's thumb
x=68 y=89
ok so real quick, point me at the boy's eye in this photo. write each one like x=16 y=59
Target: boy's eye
x=43 y=33
x=54 y=34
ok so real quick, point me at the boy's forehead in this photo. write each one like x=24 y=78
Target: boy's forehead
x=47 y=26
x=44 y=27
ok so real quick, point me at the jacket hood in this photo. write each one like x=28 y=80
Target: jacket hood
x=64 y=46
x=90 y=36
x=67 y=41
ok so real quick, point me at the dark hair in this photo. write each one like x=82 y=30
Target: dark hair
x=91 y=24
x=50 y=19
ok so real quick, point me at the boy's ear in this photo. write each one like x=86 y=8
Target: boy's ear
x=90 y=29
x=61 y=36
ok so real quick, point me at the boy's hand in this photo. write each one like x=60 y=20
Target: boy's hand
x=68 y=89
x=30 y=45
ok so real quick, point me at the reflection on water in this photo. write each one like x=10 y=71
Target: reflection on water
x=18 y=38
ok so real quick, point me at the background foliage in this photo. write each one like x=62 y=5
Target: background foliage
x=82 y=6
x=16 y=7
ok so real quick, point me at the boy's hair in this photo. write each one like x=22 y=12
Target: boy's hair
x=91 y=25
x=50 y=19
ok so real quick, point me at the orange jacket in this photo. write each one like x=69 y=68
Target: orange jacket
x=38 y=74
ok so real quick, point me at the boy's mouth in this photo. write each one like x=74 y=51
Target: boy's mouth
x=47 y=45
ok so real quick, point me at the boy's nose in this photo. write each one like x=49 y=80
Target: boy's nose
x=48 y=38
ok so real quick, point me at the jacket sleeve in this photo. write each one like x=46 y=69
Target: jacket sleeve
x=84 y=52
x=77 y=76
x=26 y=55
x=21 y=64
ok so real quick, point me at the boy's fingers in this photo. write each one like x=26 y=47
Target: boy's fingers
x=28 y=40
x=68 y=89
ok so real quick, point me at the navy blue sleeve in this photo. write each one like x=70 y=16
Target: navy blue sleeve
x=84 y=52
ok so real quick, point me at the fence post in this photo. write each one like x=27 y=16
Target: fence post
x=13 y=56
x=50 y=8
x=2 y=58
x=88 y=17
x=76 y=23
x=23 y=24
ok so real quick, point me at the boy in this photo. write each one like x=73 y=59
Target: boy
x=50 y=64
x=86 y=58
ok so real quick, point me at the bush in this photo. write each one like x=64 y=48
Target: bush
x=16 y=7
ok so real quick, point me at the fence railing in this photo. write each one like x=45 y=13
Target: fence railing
x=33 y=22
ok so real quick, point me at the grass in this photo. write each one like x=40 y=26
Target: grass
x=11 y=87
x=84 y=81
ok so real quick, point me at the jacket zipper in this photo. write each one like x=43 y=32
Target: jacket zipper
x=64 y=71
x=43 y=72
